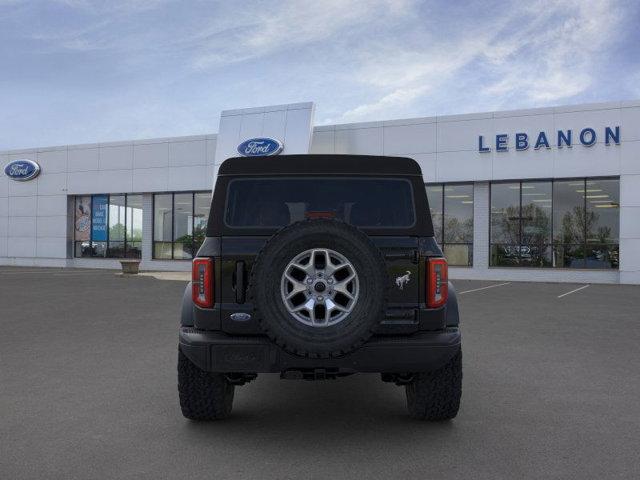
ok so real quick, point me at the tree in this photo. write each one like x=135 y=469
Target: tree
x=116 y=232
x=577 y=222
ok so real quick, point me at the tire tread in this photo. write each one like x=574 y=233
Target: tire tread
x=203 y=395
x=436 y=395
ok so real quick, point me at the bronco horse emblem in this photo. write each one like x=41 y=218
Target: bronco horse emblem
x=402 y=280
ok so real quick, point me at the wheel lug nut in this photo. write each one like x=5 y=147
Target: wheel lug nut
x=320 y=299
x=309 y=280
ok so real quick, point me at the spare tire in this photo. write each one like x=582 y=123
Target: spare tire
x=318 y=288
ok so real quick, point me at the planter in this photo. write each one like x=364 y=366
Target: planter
x=130 y=266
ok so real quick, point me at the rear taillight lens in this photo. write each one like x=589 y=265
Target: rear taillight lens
x=437 y=282
x=202 y=282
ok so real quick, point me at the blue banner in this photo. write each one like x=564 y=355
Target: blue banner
x=99 y=218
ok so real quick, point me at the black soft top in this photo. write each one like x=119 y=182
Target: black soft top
x=325 y=165
x=320 y=164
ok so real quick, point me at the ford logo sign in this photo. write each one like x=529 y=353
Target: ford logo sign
x=259 y=147
x=22 y=170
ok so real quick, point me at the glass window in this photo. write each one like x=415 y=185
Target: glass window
x=458 y=224
x=505 y=224
x=162 y=225
x=373 y=203
x=603 y=223
x=505 y=213
x=451 y=207
x=434 y=195
x=201 y=204
x=180 y=224
x=134 y=226
x=564 y=223
x=603 y=211
x=108 y=226
x=117 y=220
x=535 y=243
x=569 y=223
x=458 y=213
x=568 y=212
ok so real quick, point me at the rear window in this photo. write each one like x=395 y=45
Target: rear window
x=363 y=202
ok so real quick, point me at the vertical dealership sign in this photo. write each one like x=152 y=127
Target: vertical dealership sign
x=99 y=218
x=264 y=131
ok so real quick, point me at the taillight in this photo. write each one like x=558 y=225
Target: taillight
x=202 y=282
x=437 y=282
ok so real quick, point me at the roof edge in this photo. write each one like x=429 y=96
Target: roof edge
x=321 y=164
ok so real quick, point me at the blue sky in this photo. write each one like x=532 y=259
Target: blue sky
x=77 y=71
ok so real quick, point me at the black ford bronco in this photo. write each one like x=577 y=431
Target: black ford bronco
x=315 y=267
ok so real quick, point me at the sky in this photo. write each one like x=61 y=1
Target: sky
x=80 y=71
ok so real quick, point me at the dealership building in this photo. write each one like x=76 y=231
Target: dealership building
x=547 y=194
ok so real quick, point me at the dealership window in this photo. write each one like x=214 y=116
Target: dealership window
x=108 y=226
x=179 y=224
x=451 y=207
x=564 y=224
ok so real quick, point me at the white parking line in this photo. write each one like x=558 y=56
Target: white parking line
x=22 y=273
x=70 y=274
x=573 y=291
x=56 y=273
x=484 y=288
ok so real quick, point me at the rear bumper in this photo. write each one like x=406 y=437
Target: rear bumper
x=218 y=352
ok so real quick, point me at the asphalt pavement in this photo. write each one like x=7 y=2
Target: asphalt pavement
x=551 y=389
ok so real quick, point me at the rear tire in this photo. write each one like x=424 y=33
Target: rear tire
x=436 y=395
x=203 y=395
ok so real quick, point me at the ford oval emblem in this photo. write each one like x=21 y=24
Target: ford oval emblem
x=22 y=170
x=240 y=317
x=260 y=147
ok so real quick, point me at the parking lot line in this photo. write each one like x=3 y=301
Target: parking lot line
x=573 y=291
x=484 y=288
x=71 y=272
x=56 y=273
x=29 y=272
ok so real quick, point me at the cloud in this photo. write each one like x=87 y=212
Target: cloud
x=125 y=69
x=543 y=53
x=210 y=35
x=101 y=8
x=555 y=63
x=285 y=26
x=407 y=76
x=397 y=98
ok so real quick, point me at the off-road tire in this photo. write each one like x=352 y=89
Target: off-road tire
x=203 y=395
x=291 y=334
x=436 y=395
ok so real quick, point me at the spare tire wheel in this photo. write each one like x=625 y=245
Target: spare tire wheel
x=318 y=288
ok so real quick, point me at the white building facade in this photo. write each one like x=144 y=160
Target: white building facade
x=550 y=194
